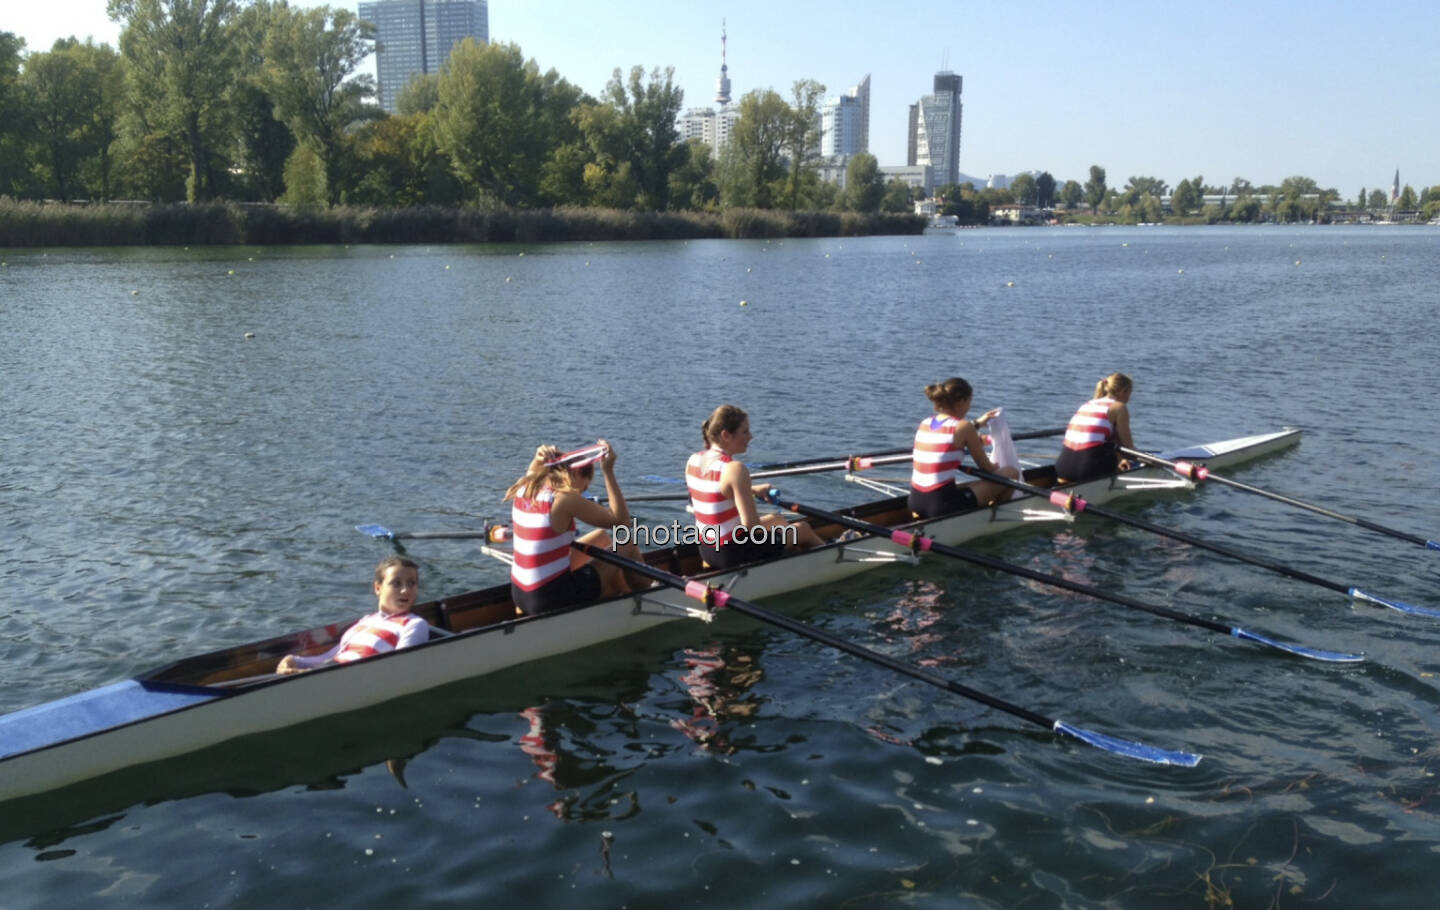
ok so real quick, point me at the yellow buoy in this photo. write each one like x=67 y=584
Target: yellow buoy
x=744 y=303
x=231 y=272
x=507 y=279
x=134 y=293
x=1182 y=272
x=1009 y=284
x=249 y=335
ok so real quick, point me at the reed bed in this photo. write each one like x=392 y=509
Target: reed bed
x=31 y=224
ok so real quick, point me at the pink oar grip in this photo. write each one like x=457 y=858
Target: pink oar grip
x=1192 y=471
x=1067 y=501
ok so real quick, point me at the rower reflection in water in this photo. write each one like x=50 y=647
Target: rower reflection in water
x=716 y=685
x=941 y=442
x=391 y=626
x=1096 y=432
x=724 y=499
x=547 y=574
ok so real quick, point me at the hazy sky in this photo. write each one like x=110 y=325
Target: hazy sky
x=1343 y=92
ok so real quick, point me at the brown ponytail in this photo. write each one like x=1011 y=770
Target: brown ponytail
x=1115 y=382
x=726 y=418
x=946 y=395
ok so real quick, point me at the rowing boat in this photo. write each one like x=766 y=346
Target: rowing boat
x=211 y=698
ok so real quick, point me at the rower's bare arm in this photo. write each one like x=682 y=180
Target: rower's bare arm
x=970 y=439
x=735 y=483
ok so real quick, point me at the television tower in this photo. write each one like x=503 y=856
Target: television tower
x=722 y=85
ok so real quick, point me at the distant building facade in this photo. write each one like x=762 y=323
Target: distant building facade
x=845 y=123
x=915 y=176
x=414 y=37
x=934 y=138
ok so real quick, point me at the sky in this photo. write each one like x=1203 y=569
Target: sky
x=1342 y=92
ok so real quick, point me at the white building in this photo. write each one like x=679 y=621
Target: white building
x=845 y=123
x=935 y=129
x=710 y=126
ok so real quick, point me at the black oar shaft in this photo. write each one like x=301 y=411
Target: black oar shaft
x=1079 y=505
x=1199 y=472
x=841 y=463
x=721 y=598
x=918 y=542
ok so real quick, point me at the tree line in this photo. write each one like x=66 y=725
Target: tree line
x=261 y=102
x=1294 y=199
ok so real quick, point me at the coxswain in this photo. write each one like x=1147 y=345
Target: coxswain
x=392 y=626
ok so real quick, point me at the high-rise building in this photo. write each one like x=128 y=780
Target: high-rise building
x=414 y=37
x=935 y=130
x=845 y=123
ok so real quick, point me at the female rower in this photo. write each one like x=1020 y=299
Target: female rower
x=731 y=529
x=1098 y=429
x=547 y=574
x=941 y=442
x=391 y=626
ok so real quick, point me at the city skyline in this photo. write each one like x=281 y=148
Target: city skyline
x=1261 y=91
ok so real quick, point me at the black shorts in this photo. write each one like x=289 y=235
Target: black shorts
x=1087 y=464
x=943 y=501
x=581 y=586
x=734 y=554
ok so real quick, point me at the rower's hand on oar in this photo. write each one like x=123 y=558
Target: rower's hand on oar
x=761 y=491
x=607 y=461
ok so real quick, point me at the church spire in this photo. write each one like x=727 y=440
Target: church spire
x=722 y=85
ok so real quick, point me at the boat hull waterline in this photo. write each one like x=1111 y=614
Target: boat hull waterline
x=160 y=715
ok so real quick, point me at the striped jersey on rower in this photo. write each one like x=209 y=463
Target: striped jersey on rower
x=937 y=457
x=716 y=515
x=541 y=552
x=1091 y=425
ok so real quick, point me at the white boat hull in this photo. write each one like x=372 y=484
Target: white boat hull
x=207 y=716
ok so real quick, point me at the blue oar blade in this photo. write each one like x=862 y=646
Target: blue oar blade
x=1337 y=657
x=1400 y=605
x=1432 y=545
x=1128 y=748
x=376 y=531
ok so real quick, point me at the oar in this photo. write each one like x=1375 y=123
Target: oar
x=918 y=543
x=841 y=462
x=715 y=597
x=1074 y=504
x=1199 y=472
x=494 y=533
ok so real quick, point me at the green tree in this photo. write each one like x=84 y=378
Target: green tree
x=420 y=95
x=1246 y=210
x=64 y=88
x=633 y=139
x=864 y=185
x=1378 y=199
x=1072 y=193
x=898 y=197
x=1186 y=199
x=802 y=137
x=753 y=163
x=1360 y=199
x=305 y=179
x=1139 y=187
x=13 y=127
x=399 y=164
x=1241 y=187
x=692 y=184
x=181 y=63
x=1045 y=190
x=1024 y=189
x=499 y=119
x=263 y=143
x=1095 y=188
x=311 y=56
x=1408 y=200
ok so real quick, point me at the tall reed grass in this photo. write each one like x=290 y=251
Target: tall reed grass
x=127 y=224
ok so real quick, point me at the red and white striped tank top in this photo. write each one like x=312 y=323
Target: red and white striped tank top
x=542 y=553
x=716 y=515
x=1090 y=426
x=937 y=458
x=374 y=634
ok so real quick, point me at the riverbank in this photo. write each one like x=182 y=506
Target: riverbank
x=30 y=224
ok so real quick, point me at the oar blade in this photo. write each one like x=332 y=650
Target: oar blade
x=376 y=531
x=1334 y=657
x=1402 y=606
x=1129 y=748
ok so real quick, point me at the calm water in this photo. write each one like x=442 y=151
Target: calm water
x=170 y=487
